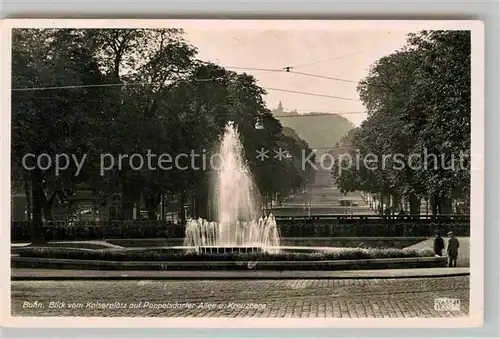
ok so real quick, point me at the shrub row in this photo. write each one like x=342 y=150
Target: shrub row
x=171 y=255
x=288 y=228
x=127 y=229
x=369 y=228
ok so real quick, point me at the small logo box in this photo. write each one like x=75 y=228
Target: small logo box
x=446 y=304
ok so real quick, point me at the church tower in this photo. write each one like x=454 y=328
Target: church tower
x=280 y=107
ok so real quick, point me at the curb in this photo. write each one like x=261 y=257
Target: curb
x=69 y=275
x=212 y=264
x=156 y=278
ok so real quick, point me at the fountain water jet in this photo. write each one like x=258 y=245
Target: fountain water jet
x=239 y=227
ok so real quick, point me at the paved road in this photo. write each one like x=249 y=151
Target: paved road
x=324 y=198
x=53 y=274
x=352 y=298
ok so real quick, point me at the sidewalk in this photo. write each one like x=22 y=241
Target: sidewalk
x=48 y=274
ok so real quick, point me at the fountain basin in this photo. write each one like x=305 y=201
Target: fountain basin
x=228 y=249
x=239 y=224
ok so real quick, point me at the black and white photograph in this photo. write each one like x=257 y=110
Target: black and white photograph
x=244 y=169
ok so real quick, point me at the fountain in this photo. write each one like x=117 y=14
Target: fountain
x=240 y=226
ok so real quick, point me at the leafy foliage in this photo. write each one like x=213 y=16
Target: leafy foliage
x=418 y=101
x=130 y=91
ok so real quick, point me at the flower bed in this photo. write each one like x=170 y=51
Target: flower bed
x=176 y=255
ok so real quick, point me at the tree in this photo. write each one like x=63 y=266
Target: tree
x=51 y=121
x=151 y=60
x=413 y=96
x=131 y=92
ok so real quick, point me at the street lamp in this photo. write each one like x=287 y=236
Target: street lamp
x=259 y=125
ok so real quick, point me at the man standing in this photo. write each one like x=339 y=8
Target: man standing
x=438 y=244
x=452 y=250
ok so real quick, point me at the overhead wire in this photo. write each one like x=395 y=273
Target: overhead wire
x=316 y=115
x=103 y=85
x=310 y=94
x=323 y=77
x=334 y=58
x=327 y=60
x=293 y=72
x=137 y=84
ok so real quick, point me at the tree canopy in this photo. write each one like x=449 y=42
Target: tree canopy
x=131 y=91
x=418 y=104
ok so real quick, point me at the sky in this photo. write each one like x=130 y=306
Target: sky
x=353 y=52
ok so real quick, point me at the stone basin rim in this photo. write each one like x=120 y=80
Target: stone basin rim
x=264 y=248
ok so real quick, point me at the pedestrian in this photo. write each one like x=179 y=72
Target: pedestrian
x=452 y=250
x=438 y=244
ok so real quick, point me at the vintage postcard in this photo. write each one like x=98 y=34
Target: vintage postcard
x=242 y=173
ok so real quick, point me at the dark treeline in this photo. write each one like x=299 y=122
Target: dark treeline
x=418 y=102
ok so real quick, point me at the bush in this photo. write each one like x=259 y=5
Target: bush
x=166 y=254
x=90 y=230
x=314 y=227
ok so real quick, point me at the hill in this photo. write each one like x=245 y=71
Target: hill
x=320 y=130
x=290 y=132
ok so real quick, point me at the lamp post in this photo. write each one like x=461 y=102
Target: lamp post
x=258 y=124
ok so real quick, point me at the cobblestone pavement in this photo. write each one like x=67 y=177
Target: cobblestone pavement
x=352 y=298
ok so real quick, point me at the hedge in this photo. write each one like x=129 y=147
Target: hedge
x=171 y=255
x=310 y=227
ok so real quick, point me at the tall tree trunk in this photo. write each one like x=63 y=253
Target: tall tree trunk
x=37 y=234
x=380 y=207
x=165 y=206
x=152 y=213
x=201 y=205
x=138 y=207
x=194 y=213
x=47 y=207
x=396 y=203
x=441 y=205
x=384 y=201
x=127 y=205
x=182 y=210
x=127 y=199
x=162 y=209
x=434 y=205
x=151 y=205
x=446 y=206
x=414 y=205
x=27 y=193
x=152 y=201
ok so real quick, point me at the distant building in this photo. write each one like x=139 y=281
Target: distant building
x=280 y=107
x=280 y=111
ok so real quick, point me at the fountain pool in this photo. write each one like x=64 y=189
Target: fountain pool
x=239 y=225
